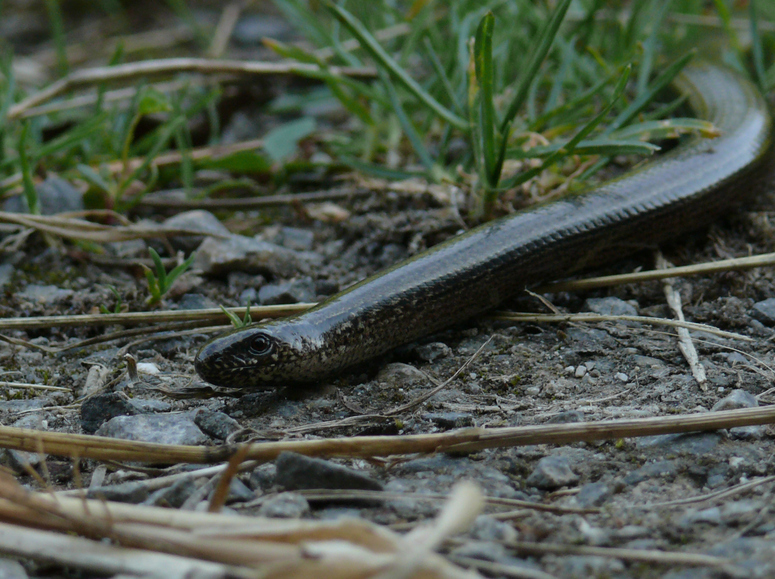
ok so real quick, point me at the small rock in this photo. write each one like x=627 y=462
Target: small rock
x=192 y=301
x=6 y=273
x=285 y=506
x=196 y=220
x=292 y=292
x=711 y=516
x=736 y=399
x=45 y=294
x=19 y=460
x=662 y=469
x=216 y=424
x=584 y=567
x=238 y=492
x=695 y=444
x=296 y=471
x=580 y=371
x=295 y=238
x=551 y=473
x=449 y=420
x=219 y=256
x=128 y=492
x=753 y=432
x=149 y=405
x=399 y=375
x=14 y=406
x=622 y=377
x=482 y=550
x=764 y=311
x=161 y=428
x=263 y=477
x=609 y=306
x=593 y=495
x=432 y=351
x=567 y=417
x=100 y=408
x=486 y=528
x=55 y=195
x=174 y=495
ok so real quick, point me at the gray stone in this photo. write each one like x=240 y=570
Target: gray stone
x=237 y=252
x=585 y=567
x=10 y=569
x=693 y=444
x=609 y=306
x=486 y=528
x=593 y=495
x=238 y=492
x=662 y=469
x=174 y=495
x=399 y=375
x=216 y=424
x=753 y=432
x=736 y=399
x=483 y=550
x=285 y=506
x=98 y=409
x=55 y=195
x=711 y=516
x=14 y=406
x=449 y=420
x=432 y=351
x=551 y=473
x=149 y=405
x=296 y=471
x=161 y=428
x=567 y=417
x=19 y=460
x=764 y=311
x=192 y=301
x=295 y=238
x=290 y=292
x=263 y=477
x=6 y=273
x=45 y=294
x=196 y=220
x=129 y=492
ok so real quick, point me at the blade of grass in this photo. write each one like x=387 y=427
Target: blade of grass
x=30 y=194
x=370 y=44
x=650 y=47
x=484 y=79
x=603 y=146
x=438 y=68
x=580 y=136
x=545 y=40
x=406 y=124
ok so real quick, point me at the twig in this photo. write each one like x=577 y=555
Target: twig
x=685 y=344
x=736 y=264
x=26 y=386
x=465 y=440
x=588 y=317
x=131 y=71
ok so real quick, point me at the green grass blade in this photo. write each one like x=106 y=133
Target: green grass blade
x=370 y=44
x=406 y=124
x=438 y=68
x=599 y=146
x=545 y=41
x=757 y=49
x=30 y=193
x=643 y=99
x=484 y=81
x=161 y=274
x=650 y=48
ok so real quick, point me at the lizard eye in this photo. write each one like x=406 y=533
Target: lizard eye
x=260 y=345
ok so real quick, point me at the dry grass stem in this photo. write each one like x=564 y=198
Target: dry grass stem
x=465 y=440
x=685 y=344
x=27 y=386
x=736 y=264
x=500 y=569
x=590 y=317
x=135 y=70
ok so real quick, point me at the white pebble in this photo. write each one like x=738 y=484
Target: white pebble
x=581 y=370
x=622 y=377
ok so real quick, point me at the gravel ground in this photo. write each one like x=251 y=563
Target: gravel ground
x=628 y=493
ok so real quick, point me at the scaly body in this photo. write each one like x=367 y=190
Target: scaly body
x=474 y=272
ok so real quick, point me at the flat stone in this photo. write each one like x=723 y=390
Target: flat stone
x=295 y=238
x=129 y=492
x=98 y=409
x=174 y=495
x=736 y=399
x=566 y=417
x=693 y=444
x=449 y=420
x=296 y=471
x=292 y=292
x=263 y=477
x=45 y=294
x=551 y=473
x=609 y=306
x=764 y=311
x=432 y=351
x=285 y=506
x=220 y=256
x=661 y=469
x=161 y=428
x=195 y=220
x=216 y=424
x=593 y=495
